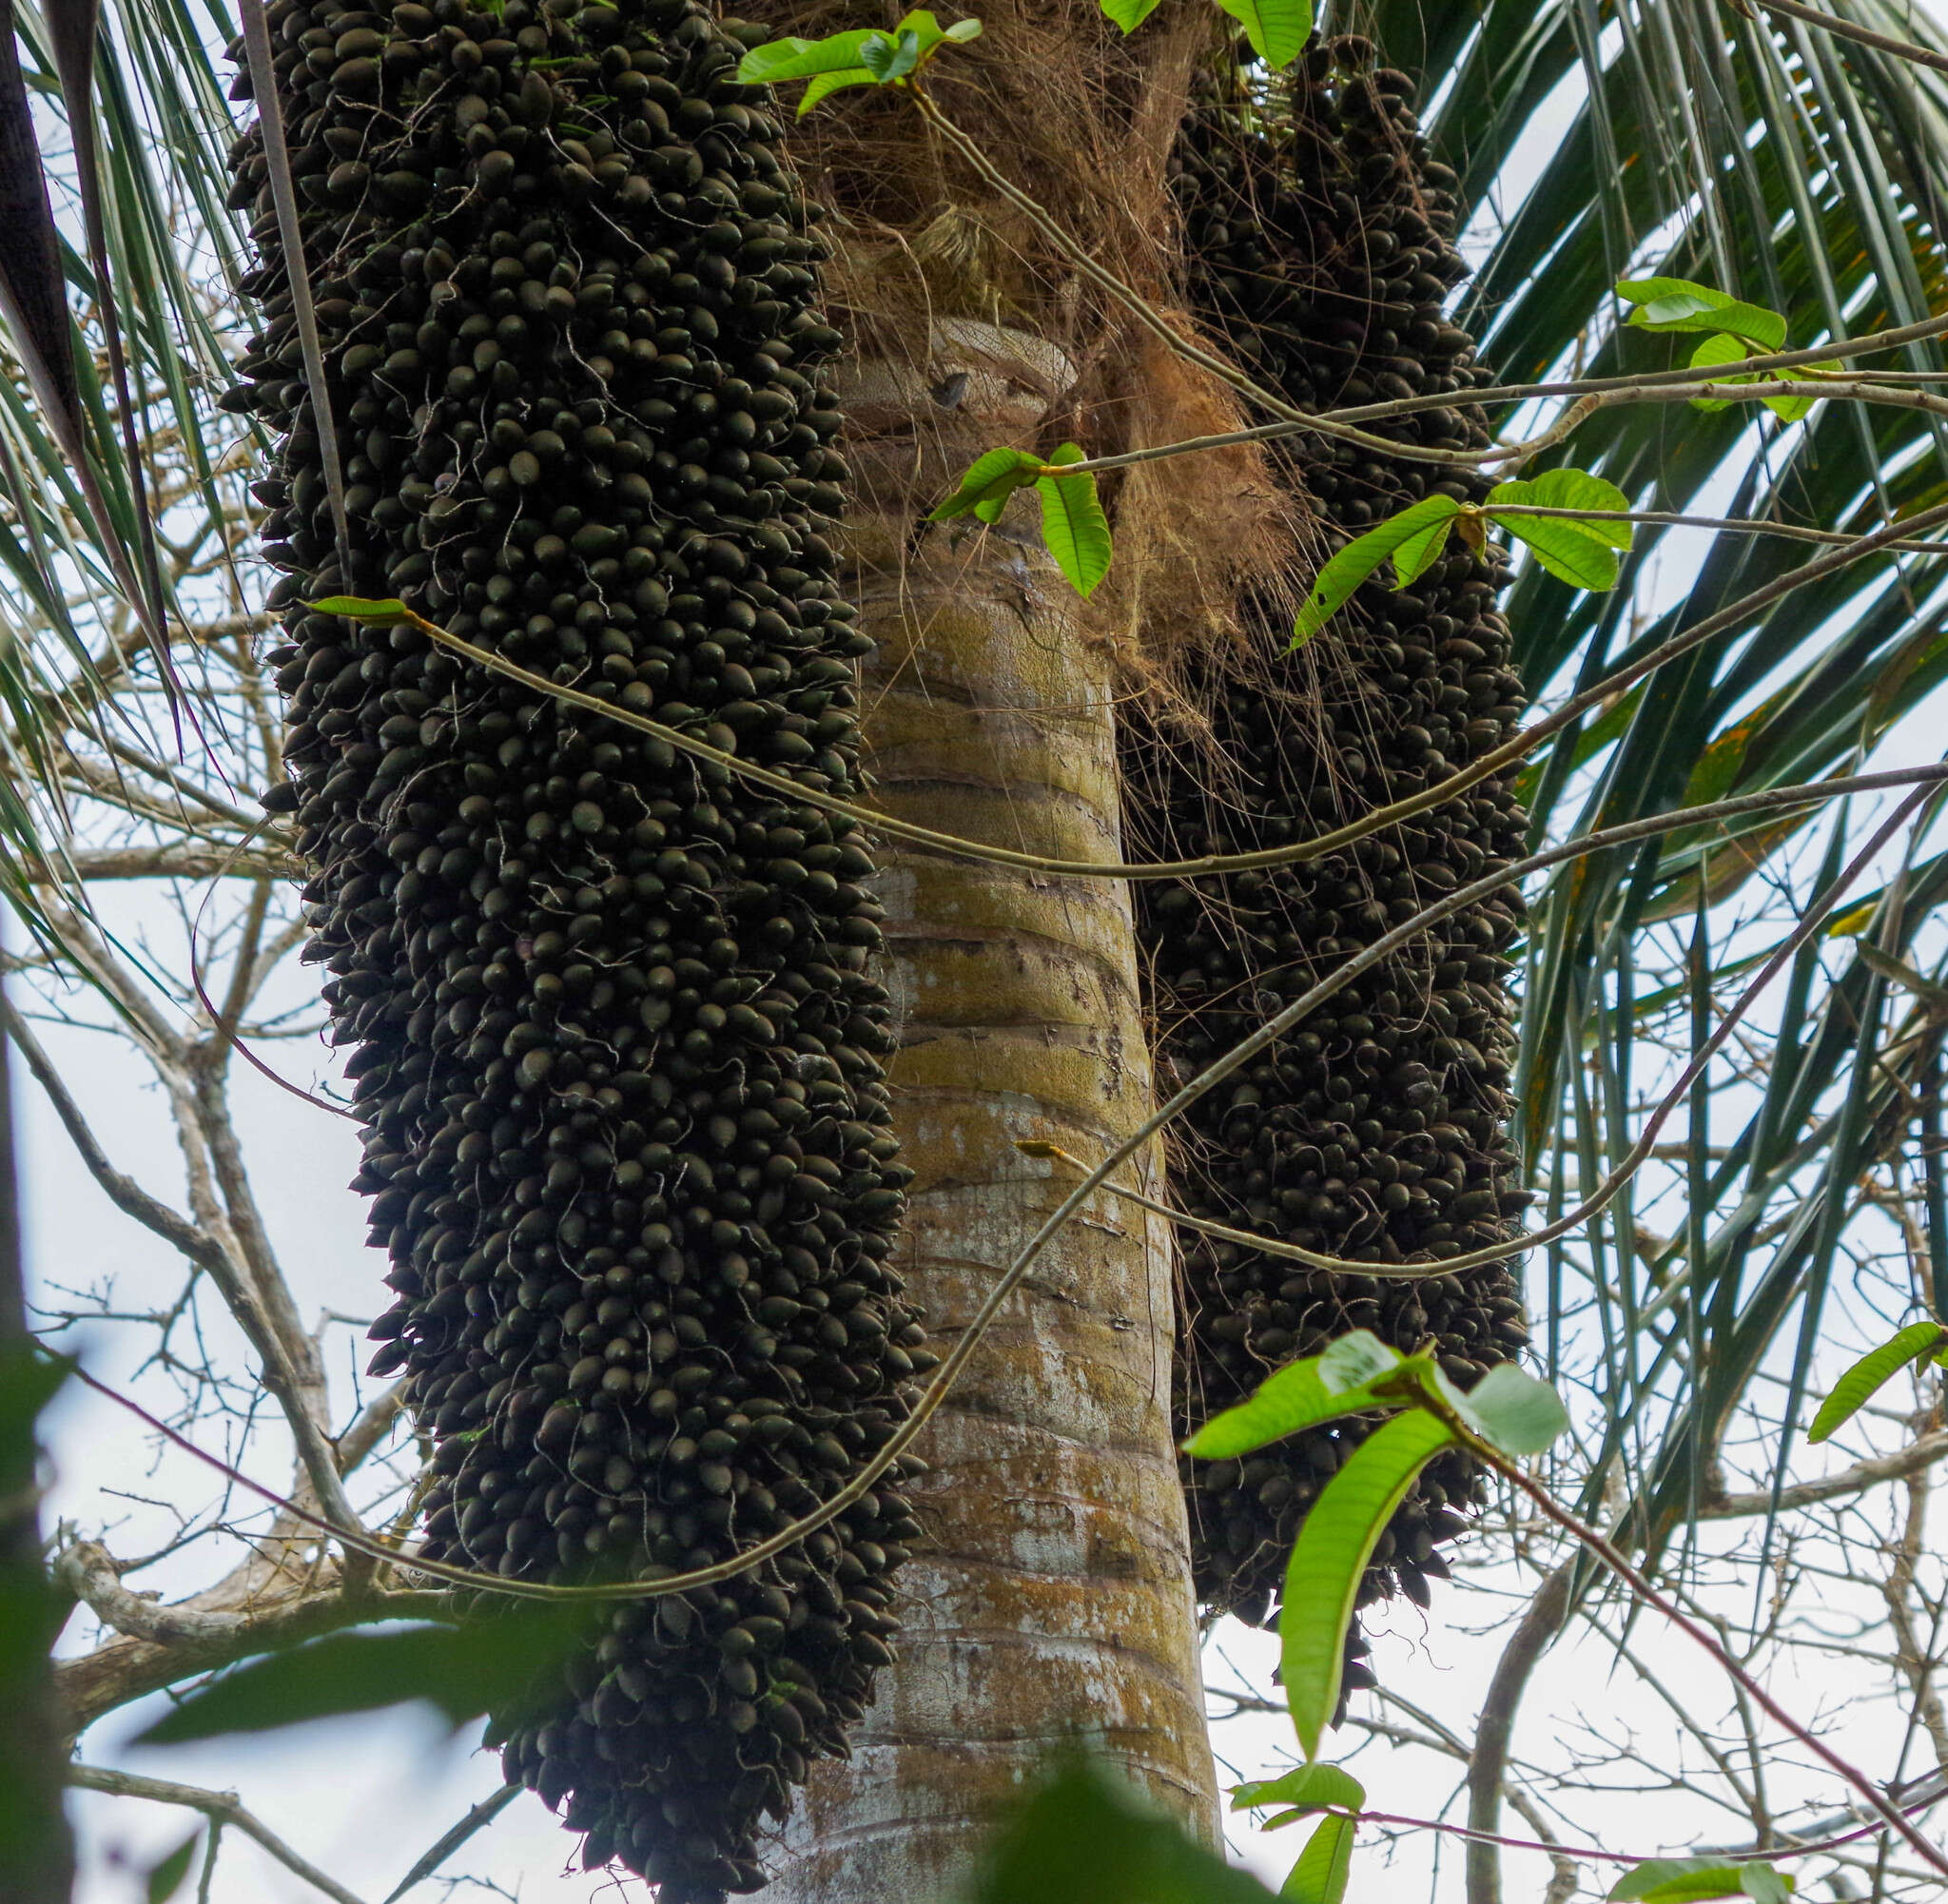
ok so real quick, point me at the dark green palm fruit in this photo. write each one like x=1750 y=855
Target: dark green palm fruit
x=1319 y=234
x=614 y=1041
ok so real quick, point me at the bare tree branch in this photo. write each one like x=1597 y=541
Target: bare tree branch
x=163 y=1644
x=297 y=1383
x=1488 y=1762
x=183 y=859
x=220 y=1808
x=1923 y=1453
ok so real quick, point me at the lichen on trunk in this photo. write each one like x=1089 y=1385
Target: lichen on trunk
x=1051 y=1595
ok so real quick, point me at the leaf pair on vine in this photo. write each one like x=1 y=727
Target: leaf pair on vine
x=1073 y=524
x=1277 y=29
x=1324 y=1865
x=1580 y=550
x=865 y=56
x=1734 y=331
x=1508 y=1409
x=871 y=56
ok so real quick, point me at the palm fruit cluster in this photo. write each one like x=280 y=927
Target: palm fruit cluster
x=615 y=1045
x=1318 y=239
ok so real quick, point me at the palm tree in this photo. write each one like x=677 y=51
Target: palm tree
x=1796 y=168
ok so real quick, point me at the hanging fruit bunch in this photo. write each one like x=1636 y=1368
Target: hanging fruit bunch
x=615 y=1043
x=1319 y=238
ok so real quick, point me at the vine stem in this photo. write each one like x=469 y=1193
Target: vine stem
x=1723 y=525
x=1605 y=1193
x=1132 y=301
x=1516 y=747
x=1591 y=395
x=1890 y=1813
x=1591 y=1854
x=1345 y=424
x=1011 y=1278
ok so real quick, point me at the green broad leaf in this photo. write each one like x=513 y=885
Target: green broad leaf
x=1310 y=1788
x=829 y=83
x=1709 y=356
x=1353 y=1360
x=1567 y=489
x=991 y=479
x=1567 y=550
x=890 y=60
x=1515 y=1410
x=1789 y=409
x=1361 y=557
x=1335 y=1541
x=1693 y=1880
x=1277 y=29
x=1073 y=524
x=1129 y=14
x=1721 y=349
x=462 y=1671
x=1320 y=1874
x=1296 y=1396
x=1641 y=1879
x=780 y=60
x=1758 y=326
x=361 y=608
x=930 y=33
x=168 y=1878
x=1679 y=304
x=1418 y=554
x=1085 y=1838
x=1871 y=1373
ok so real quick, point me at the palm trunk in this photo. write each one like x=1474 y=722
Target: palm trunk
x=1053 y=1600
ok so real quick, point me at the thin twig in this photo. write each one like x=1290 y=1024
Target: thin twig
x=453 y=1837
x=220 y=1808
x=1884 y=1808
x=1491 y=763
x=1845 y=29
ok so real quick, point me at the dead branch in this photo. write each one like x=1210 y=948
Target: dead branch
x=221 y=1808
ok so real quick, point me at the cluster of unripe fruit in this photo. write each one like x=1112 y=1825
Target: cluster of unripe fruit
x=617 y=1047
x=1318 y=239
x=616 y=1041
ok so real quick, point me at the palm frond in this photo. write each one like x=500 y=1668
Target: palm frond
x=1808 y=173
x=130 y=479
